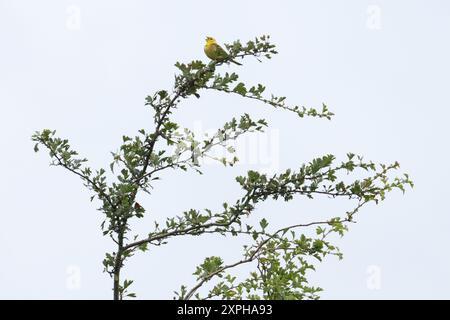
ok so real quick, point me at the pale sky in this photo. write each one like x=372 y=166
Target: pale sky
x=85 y=67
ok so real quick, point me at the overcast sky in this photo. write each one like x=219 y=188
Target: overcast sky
x=85 y=67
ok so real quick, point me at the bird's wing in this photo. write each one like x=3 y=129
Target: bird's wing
x=220 y=52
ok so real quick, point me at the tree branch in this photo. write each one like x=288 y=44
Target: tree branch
x=253 y=255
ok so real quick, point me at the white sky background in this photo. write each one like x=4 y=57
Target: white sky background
x=381 y=66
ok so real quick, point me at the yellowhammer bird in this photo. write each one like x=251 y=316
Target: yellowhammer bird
x=215 y=52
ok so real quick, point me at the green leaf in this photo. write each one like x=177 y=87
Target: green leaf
x=240 y=89
x=263 y=223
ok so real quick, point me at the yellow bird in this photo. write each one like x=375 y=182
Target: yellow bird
x=216 y=52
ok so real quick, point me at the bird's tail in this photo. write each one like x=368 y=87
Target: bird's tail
x=235 y=62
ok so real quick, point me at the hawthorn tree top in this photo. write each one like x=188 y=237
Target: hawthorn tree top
x=280 y=258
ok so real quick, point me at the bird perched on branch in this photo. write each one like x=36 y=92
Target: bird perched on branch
x=216 y=52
